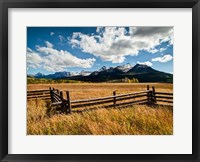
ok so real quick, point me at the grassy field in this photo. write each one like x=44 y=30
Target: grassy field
x=92 y=90
x=134 y=120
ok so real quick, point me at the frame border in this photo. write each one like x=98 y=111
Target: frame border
x=6 y=4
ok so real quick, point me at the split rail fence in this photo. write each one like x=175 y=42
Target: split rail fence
x=39 y=94
x=150 y=97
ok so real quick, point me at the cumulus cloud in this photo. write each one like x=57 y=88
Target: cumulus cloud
x=55 y=60
x=163 y=32
x=52 y=33
x=165 y=58
x=34 y=60
x=48 y=44
x=148 y=63
x=115 y=43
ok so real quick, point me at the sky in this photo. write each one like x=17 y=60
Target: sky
x=73 y=49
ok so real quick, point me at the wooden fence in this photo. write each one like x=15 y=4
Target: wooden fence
x=150 y=97
x=39 y=94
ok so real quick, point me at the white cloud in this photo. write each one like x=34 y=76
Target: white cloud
x=115 y=43
x=99 y=29
x=156 y=50
x=153 y=50
x=34 y=60
x=162 y=49
x=48 y=44
x=52 y=33
x=61 y=38
x=165 y=58
x=148 y=63
x=54 y=60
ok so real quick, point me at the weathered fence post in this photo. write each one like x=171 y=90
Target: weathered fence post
x=63 y=103
x=148 y=95
x=114 y=99
x=61 y=95
x=68 y=102
x=57 y=91
x=51 y=94
x=153 y=95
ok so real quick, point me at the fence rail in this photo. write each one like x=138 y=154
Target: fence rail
x=163 y=97
x=38 y=94
x=35 y=91
x=150 y=97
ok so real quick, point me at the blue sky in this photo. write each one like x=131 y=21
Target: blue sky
x=73 y=49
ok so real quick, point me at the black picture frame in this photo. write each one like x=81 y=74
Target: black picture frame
x=6 y=4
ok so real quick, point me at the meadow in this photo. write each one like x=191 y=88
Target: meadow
x=133 y=120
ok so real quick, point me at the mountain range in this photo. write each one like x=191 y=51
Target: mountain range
x=141 y=72
x=59 y=75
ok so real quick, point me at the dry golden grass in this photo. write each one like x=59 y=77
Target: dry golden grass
x=134 y=120
x=93 y=90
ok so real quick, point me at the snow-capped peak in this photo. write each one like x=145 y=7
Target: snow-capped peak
x=125 y=67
